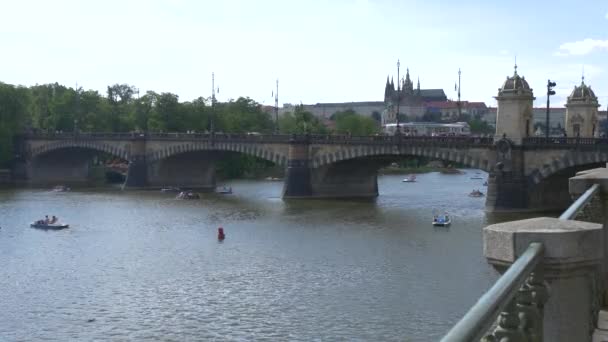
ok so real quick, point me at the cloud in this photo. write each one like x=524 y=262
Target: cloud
x=582 y=47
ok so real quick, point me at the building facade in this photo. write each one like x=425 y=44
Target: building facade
x=407 y=100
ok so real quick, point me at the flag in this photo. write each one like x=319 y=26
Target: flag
x=218 y=90
x=272 y=94
x=455 y=86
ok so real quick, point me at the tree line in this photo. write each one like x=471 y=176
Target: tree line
x=55 y=107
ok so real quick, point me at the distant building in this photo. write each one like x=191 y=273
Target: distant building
x=409 y=101
x=326 y=110
x=449 y=109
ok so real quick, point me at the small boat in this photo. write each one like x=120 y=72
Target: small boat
x=442 y=220
x=53 y=226
x=171 y=189
x=61 y=188
x=224 y=190
x=485 y=183
x=476 y=193
x=410 y=179
x=476 y=177
x=273 y=179
x=188 y=195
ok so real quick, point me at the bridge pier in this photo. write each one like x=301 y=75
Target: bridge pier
x=137 y=174
x=298 y=173
x=343 y=179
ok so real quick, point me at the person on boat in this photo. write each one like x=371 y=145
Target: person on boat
x=46 y=219
x=54 y=219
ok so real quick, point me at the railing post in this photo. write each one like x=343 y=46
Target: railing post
x=574 y=252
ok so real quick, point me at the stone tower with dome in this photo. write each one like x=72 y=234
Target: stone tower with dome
x=581 y=112
x=514 y=113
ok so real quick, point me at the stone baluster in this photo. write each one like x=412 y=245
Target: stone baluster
x=508 y=327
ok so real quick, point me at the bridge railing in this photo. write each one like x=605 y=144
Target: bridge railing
x=274 y=138
x=539 y=257
x=401 y=140
x=563 y=141
x=519 y=285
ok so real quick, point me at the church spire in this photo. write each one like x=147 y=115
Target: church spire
x=387 y=88
x=408 y=86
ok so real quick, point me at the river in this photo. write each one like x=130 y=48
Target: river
x=141 y=265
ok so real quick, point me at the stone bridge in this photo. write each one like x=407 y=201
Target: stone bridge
x=530 y=175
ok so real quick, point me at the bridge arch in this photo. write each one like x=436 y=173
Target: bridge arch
x=569 y=160
x=85 y=144
x=466 y=157
x=255 y=150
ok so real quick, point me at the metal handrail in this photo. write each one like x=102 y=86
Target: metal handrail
x=579 y=204
x=478 y=320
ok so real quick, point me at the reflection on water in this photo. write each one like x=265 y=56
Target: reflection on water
x=144 y=266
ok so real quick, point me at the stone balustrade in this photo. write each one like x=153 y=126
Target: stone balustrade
x=566 y=280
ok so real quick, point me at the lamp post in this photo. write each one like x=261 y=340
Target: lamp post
x=398 y=132
x=276 y=109
x=211 y=121
x=550 y=92
x=458 y=103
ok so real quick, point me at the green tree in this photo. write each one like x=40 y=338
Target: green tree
x=349 y=122
x=480 y=127
x=120 y=98
x=14 y=117
x=301 y=122
x=242 y=115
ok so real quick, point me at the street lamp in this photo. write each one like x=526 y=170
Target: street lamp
x=211 y=123
x=398 y=97
x=276 y=109
x=550 y=92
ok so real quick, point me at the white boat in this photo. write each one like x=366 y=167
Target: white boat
x=188 y=195
x=61 y=188
x=442 y=220
x=54 y=226
x=410 y=179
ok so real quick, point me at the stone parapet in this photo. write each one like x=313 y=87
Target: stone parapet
x=573 y=258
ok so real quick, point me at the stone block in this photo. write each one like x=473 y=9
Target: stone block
x=600 y=336
x=585 y=179
x=602 y=320
x=565 y=242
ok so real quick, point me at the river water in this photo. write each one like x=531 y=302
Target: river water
x=145 y=266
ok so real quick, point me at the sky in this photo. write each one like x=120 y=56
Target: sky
x=320 y=51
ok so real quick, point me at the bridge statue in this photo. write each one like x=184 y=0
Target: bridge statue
x=524 y=172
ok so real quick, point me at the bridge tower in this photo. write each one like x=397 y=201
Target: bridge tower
x=514 y=113
x=581 y=112
x=507 y=184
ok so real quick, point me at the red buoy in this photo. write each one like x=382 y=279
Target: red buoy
x=220 y=234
